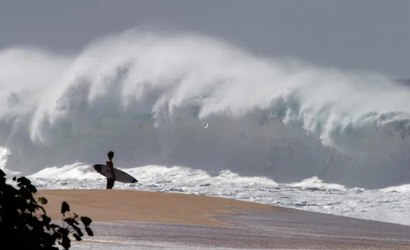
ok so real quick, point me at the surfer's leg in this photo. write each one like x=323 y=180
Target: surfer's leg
x=110 y=183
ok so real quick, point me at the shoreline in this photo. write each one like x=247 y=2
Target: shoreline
x=128 y=219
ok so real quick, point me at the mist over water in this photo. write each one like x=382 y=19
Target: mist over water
x=147 y=95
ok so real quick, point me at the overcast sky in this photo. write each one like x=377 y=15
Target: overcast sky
x=369 y=35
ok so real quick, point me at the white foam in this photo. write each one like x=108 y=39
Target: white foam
x=312 y=194
x=76 y=171
x=316 y=183
x=401 y=189
x=147 y=94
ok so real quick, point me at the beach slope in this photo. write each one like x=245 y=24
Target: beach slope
x=127 y=219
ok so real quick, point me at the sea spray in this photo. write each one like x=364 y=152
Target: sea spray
x=147 y=95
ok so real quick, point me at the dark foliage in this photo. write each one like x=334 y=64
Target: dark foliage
x=24 y=223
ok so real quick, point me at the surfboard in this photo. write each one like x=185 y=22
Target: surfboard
x=120 y=175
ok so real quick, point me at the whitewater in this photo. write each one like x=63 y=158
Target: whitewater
x=189 y=113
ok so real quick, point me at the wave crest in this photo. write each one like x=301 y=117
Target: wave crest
x=146 y=94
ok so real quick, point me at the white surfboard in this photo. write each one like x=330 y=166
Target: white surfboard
x=120 y=175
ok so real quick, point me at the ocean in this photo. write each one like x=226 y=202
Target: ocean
x=195 y=114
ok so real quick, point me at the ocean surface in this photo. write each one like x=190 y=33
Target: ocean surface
x=189 y=113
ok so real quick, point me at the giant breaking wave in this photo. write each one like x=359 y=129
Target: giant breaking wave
x=191 y=100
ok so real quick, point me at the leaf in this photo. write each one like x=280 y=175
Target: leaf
x=63 y=231
x=65 y=207
x=89 y=231
x=42 y=200
x=70 y=221
x=46 y=221
x=77 y=237
x=24 y=221
x=66 y=242
x=78 y=230
x=86 y=221
x=23 y=181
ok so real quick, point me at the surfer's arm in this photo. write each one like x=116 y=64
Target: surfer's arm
x=111 y=166
x=113 y=173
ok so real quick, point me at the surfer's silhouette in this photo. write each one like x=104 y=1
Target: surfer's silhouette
x=110 y=164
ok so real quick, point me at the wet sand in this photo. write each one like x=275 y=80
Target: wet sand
x=155 y=220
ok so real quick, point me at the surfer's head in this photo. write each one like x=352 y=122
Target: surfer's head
x=110 y=155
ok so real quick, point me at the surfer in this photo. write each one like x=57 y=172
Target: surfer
x=110 y=164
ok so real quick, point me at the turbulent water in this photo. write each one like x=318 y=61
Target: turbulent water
x=189 y=113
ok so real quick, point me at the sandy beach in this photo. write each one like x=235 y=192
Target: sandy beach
x=125 y=205
x=126 y=219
